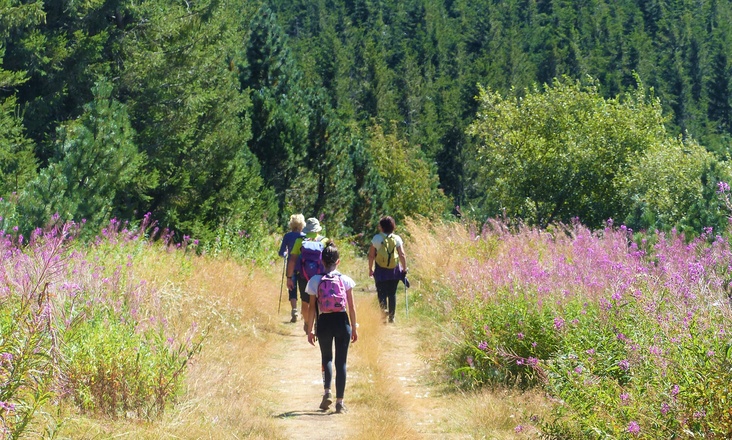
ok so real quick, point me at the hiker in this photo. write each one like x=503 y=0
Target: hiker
x=297 y=223
x=305 y=261
x=336 y=322
x=387 y=252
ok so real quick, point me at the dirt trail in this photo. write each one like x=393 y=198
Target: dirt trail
x=299 y=388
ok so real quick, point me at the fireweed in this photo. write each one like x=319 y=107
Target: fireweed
x=77 y=325
x=632 y=339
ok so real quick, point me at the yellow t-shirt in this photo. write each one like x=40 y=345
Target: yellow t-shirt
x=298 y=243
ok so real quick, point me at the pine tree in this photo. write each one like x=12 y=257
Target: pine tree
x=95 y=158
x=269 y=74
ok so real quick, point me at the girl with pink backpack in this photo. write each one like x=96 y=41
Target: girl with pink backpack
x=336 y=323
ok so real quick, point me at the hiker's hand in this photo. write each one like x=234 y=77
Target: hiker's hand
x=354 y=334
x=371 y=273
x=290 y=284
x=312 y=338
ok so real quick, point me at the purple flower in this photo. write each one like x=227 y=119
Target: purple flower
x=483 y=345
x=558 y=323
x=578 y=369
x=624 y=365
x=469 y=359
x=518 y=428
x=634 y=428
x=674 y=390
x=665 y=408
x=722 y=187
x=624 y=397
x=520 y=336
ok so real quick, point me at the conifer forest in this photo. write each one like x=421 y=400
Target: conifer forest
x=219 y=118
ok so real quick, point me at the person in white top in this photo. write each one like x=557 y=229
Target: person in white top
x=336 y=322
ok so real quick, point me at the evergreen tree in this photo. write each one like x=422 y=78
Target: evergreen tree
x=17 y=161
x=95 y=158
x=191 y=120
x=269 y=74
x=719 y=90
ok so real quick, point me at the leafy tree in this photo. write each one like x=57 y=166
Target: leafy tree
x=411 y=185
x=664 y=183
x=328 y=159
x=557 y=153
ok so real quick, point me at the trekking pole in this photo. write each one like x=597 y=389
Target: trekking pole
x=406 y=297
x=406 y=300
x=282 y=283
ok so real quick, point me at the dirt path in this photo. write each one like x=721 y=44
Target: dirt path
x=417 y=403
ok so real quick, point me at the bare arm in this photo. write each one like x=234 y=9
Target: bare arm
x=351 y=315
x=372 y=257
x=291 y=271
x=402 y=258
x=309 y=323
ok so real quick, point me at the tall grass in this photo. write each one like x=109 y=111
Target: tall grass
x=78 y=327
x=221 y=395
x=632 y=340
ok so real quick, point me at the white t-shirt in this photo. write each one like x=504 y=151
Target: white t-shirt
x=378 y=240
x=312 y=287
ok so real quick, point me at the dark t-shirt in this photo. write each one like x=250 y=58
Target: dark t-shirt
x=288 y=242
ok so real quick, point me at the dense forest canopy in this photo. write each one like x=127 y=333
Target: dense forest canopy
x=219 y=116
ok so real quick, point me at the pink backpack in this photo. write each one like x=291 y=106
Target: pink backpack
x=332 y=294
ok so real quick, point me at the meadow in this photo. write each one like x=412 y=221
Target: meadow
x=627 y=335
x=590 y=334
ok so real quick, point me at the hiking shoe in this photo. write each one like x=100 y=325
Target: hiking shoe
x=340 y=408
x=294 y=316
x=325 y=403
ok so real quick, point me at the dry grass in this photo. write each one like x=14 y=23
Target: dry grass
x=226 y=395
x=222 y=398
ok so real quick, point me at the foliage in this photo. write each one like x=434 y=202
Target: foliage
x=663 y=184
x=246 y=112
x=411 y=186
x=95 y=159
x=75 y=329
x=553 y=155
x=17 y=161
x=630 y=338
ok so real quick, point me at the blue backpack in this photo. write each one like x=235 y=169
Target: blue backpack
x=311 y=258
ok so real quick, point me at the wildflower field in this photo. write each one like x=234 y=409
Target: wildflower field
x=628 y=335
x=79 y=326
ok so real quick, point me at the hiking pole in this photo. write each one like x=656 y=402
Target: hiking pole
x=406 y=299
x=282 y=283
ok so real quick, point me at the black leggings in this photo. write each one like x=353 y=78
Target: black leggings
x=386 y=292
x=334 y=326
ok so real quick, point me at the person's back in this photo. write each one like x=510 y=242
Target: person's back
x=336 y=324
x=297 y=223
x=296 y=278
x=387 y=265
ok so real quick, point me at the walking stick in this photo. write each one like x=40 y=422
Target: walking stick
x=406 y=297
x=284 y=268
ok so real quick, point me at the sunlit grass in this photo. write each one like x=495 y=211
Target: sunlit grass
x=223 y=396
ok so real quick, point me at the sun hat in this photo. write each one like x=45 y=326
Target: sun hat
x=312 y=225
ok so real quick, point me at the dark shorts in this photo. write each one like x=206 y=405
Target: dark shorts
x=302 y=284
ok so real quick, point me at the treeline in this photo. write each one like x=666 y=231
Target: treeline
x=221 y=118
